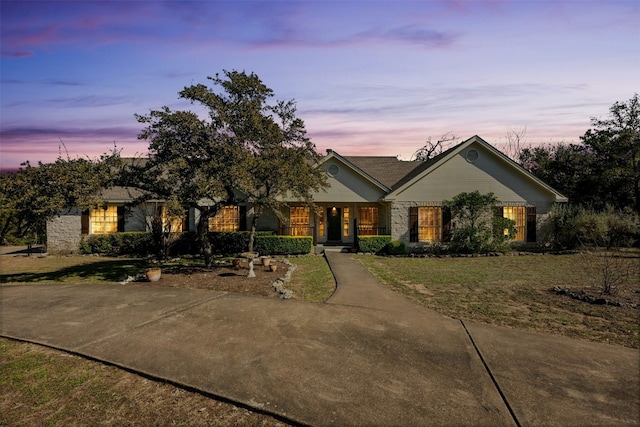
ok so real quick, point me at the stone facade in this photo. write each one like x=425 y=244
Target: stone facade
x=64 y=233
x=400 y=221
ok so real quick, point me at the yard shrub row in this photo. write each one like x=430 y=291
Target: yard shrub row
x=574 y=226
x=283 y=245
x=224 y=243
x=126 y=243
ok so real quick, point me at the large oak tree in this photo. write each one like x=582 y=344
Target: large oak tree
x=248 y=149
x=35 y=194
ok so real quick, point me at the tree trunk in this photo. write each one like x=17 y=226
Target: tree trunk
x=203 y=238
x=254 y=223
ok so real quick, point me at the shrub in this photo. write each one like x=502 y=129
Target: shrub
x=574 y=226
x=395 y=247
x=476 y=228
x=283 y=245
x=373 y=244
x=624 y=228
x=229 y=243
x=127 y=243
x=504 y=230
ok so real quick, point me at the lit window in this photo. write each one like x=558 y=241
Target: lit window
x=321 y=223
x=345 y=218
x=368 y=224
x=227 y=219
x=429 y=224
x=104 y=221
x=171 y=224
x=299 y=218
x=518 y=215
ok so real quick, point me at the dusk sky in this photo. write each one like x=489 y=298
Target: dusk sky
x=369 y=77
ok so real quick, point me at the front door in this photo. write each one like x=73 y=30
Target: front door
x=334 y=222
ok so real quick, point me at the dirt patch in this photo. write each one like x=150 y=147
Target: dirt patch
x=223 y=277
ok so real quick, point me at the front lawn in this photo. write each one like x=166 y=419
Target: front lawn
x=67 y=269
x=515 y=291
x=312 y=280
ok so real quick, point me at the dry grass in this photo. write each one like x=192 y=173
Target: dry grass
x=44 y=387
x=515 y=291
x=67 y=269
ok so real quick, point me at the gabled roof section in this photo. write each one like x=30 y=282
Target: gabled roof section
x=426 y=167
x=387 y=170
x=353 y=166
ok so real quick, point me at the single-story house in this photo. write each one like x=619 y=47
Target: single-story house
x=367 y=195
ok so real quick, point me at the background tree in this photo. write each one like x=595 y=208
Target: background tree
x=515 y=140
x=614 y=144
x=431 y=149
x=35 y=194
x=248 y=150
x=602 y=171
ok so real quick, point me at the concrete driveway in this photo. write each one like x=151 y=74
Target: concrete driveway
x=368 y=357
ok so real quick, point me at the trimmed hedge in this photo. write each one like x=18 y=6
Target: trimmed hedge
x=126 y=243
x=223 y=243
x=373 y=244
x=283 y=245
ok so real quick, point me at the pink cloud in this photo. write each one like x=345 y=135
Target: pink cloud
x=16 y=53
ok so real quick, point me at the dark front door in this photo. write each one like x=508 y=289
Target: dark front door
x=334 y=216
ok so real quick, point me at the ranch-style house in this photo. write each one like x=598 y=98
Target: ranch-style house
x=367 y=195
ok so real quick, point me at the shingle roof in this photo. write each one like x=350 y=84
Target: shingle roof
x=387 y=170
x=422 y=166
x=120 y=194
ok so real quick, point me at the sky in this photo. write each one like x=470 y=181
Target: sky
x=368 y=77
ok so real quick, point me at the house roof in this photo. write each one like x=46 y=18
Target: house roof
x=120 y=194
x=388 y=173
x=387 y=170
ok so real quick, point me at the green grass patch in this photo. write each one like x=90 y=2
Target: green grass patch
x=312 y=280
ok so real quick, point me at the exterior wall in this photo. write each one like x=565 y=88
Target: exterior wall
x=136 y=220
x=268 y=221
x=400 y=221
x=486 y=174
x=346 y=186
x=63 y=233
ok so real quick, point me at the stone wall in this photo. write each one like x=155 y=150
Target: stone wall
x=400 y=221
x=63 y=233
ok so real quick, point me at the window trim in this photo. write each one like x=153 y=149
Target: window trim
x=224 y=221
x=518 y=214
x=111 y=217
x=299 y=221
x=372 y=216
x=441 y=225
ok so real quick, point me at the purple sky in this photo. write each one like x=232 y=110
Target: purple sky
x=369 y=77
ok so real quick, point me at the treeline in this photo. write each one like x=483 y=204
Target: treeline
x=601 y=172
x=601 y=178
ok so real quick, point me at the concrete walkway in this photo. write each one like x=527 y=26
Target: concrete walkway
x=368 y=357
